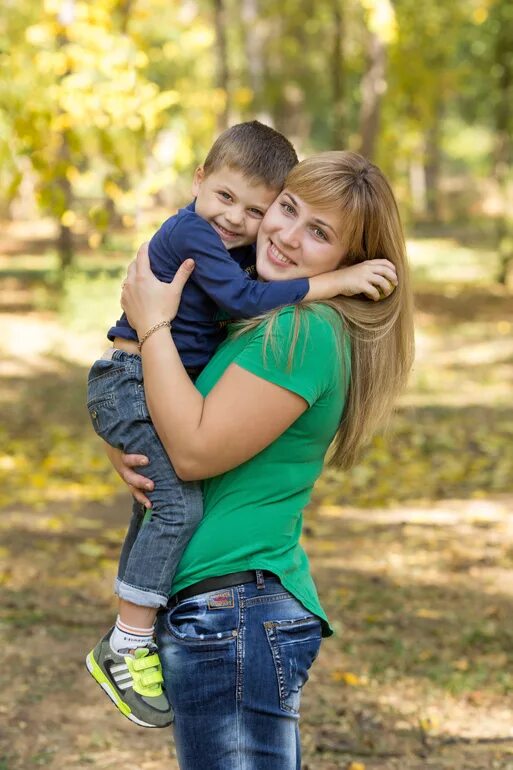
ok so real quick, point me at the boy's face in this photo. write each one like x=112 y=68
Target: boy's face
x=232 y=204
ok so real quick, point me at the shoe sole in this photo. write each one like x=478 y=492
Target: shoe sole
x=106 y=686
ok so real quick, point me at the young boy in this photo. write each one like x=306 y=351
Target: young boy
x=243 y=173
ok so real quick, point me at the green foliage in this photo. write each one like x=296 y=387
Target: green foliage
x=106 y=105
x=90 y=101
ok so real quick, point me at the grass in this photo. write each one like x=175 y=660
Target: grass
x=412 y=549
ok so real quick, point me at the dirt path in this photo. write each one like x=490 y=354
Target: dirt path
x=417 y=676
x=420 y=672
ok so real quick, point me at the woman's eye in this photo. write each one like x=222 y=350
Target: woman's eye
x=320 y=233
x=287 y=208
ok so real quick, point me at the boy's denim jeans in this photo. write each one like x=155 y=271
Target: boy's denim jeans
x=234 y=662
x=153 y=546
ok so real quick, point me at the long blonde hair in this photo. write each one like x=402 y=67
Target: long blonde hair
x=382 y=339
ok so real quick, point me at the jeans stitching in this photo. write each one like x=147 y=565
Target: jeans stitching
x=212 y=639
x=270 y=629
x=267 y=599
x=239 y=676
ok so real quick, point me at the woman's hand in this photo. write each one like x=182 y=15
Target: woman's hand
x=124 y=465
x=148 y=301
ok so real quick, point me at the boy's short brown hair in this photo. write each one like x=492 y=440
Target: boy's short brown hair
x=257 y=151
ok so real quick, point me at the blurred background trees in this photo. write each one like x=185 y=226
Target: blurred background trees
x=106 y=106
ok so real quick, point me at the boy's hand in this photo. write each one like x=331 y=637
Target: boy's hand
x=375 y=278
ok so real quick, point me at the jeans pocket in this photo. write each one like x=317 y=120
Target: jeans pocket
x=294 y=646
x=203 y=622
x=102 y=369
x=104 y=416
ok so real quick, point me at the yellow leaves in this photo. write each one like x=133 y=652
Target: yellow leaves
x=94 y=240
x=112 y=190
x=91 y=548
x=7 y=463
x=52 y=6
x=356 y=766
x=349 y=678
x=381 y=19
x=69 y=218
x=72 y=174
x=170 y=50
x=38 y=34
x=128 y=220
x=199 y=37
x=425 y=612
x=56 y=466
x=141 y=59
x=480 y=14
x=429 y=723
x=38 y=480
x=243 y=97
x=166 y=99
x=62 y=122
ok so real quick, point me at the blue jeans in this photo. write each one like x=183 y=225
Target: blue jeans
x=234 y=663
x=153 y=545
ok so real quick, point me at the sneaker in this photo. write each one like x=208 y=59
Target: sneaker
x=132 y=682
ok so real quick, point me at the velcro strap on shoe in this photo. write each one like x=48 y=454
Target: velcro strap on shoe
x=150 y=661
x=151 y=677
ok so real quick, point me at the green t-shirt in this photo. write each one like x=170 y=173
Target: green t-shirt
x=253 y=513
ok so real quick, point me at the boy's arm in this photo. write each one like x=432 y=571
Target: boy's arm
x=229 y=286
x=376 y=278
x=222 y=278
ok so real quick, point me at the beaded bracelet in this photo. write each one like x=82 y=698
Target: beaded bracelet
x=150 y=332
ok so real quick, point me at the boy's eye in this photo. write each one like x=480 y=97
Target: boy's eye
x=225 y=195
x=256 y=213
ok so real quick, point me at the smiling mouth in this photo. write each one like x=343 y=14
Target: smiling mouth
x=278 y=256
x=224 y=233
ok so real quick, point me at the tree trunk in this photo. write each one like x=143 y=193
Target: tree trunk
x=432 y=167
x=339 y=134
x=65 y=237
x=373 y=87
x=292 y=117
x=254 y=49
x=503 y=143
x=223 y=72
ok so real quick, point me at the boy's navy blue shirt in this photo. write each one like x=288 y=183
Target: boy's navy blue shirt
x=220 y=281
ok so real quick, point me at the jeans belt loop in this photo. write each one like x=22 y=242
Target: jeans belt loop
x=260 y=579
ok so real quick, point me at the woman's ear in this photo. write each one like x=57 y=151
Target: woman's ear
x=197 y=180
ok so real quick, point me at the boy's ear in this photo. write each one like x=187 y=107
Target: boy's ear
x=199 y=176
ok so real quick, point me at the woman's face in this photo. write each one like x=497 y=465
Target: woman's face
x=296 y=240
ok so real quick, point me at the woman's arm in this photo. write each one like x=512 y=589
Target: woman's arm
x=202 y=436
x=125 y=465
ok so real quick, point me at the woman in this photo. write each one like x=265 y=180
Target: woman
x=244 y=623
